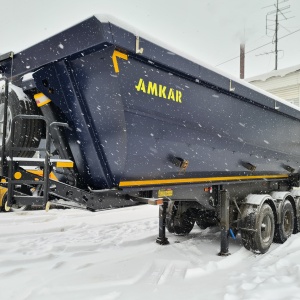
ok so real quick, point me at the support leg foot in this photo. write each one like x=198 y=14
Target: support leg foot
x=162 y=241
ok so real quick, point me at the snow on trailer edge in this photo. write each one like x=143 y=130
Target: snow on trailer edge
x=106 y=18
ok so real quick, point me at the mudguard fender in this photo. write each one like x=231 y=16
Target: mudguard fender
x=280 y=197
x=251 y=207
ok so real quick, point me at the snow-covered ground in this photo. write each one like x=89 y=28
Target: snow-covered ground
x=75 y=254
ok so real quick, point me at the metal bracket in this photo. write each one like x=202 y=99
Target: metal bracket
x=151 y=201
x=138 y=50
x=181 y=163
x=6 y=56
x=231 y=88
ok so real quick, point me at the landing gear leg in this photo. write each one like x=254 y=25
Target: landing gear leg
x=162 y=240
x=224 y=222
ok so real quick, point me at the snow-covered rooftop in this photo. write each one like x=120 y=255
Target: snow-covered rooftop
x=274 y=73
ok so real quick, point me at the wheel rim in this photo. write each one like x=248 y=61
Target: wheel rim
x=266 y=229
x=287 y=222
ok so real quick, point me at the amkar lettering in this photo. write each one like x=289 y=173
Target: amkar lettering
x=159 y=90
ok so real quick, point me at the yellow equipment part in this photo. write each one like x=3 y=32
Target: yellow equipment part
x=3 y=191
x=40 y=173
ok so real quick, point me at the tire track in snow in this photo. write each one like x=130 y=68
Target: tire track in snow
x=162 y=272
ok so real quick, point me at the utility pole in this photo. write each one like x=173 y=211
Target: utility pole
x=276 y=37
x=242 y=61
x=275 y=17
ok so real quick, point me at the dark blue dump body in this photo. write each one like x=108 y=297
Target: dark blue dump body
x=129 y=125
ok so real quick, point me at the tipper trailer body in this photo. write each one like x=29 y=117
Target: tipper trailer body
x=143 y=124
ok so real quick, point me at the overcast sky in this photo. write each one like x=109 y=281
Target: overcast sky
x=210 y=30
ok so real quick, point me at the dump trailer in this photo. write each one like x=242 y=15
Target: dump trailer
x=118 y=120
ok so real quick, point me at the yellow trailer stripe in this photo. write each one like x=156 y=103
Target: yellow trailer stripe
x=199 y=180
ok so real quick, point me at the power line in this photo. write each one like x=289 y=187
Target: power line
x=256 y=48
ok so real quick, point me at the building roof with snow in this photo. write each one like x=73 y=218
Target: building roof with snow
x=274 y=73
x=284 y=83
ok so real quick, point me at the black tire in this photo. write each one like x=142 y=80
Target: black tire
x=203 y=224
x=259 y=240
x=265 y=228
x=296 y=225
x=14 y=108
x=184 y=224
x=179 y=223
x=206 y=219
x=247 y=239
x=247 y=236
x=27 y=132
x=286 y=227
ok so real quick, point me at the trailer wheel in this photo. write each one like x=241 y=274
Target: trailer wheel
x=286 y=227
x=27 y=132
x=179 y=223
x=184 y=224
x=206 y=219
x=259 y=240
x=202 y=224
